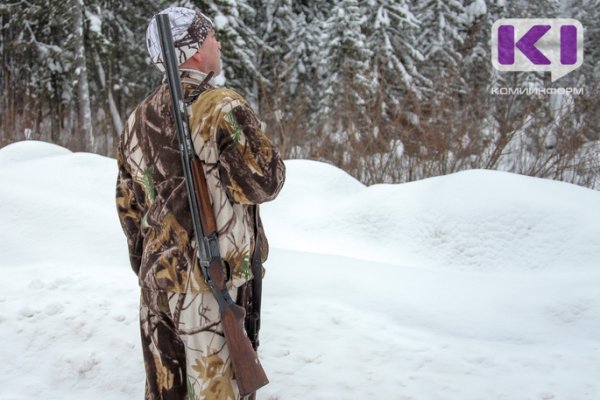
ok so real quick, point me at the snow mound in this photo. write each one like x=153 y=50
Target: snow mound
x=56 y=205
x=448 y=324
x=320 y=179
x=30 y=150
x=477 y=219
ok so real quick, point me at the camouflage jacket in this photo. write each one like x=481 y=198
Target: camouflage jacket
x=242 y=169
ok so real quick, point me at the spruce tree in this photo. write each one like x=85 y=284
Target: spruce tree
x=588 y=13
x=241 y=45
x=344 y=71
x=37 y=89
x=587 y=77
x=440 y=41
x=120 y=70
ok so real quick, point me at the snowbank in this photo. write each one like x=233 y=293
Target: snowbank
x=477 y=285
x=30 y=150
x=477 y=219
x=57 y=206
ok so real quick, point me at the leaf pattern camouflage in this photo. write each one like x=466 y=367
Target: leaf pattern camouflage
x=184 y=347
x=242 y=168
x=185 y=353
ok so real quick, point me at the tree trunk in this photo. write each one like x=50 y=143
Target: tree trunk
x=7 y=100
x=112 y=106
x=83 y=90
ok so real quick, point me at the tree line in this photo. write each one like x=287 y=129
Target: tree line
x=389 y=90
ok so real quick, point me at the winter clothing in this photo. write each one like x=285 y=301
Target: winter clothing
x=189 y=29
x=184 y=348
x=242 y=169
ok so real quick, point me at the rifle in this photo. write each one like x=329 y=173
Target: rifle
x=248 y=371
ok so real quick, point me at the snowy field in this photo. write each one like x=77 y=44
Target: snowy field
x=479 y=285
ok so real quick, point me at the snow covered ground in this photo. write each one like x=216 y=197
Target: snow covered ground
x=477 y=285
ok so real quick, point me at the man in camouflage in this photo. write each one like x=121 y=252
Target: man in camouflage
x=185 y=353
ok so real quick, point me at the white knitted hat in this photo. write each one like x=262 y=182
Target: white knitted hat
x=189 y=29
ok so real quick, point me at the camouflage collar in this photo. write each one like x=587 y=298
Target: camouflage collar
x=194 y=83
x=191 y=76
x=194 y=75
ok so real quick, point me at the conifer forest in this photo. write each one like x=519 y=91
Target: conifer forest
x=390 y=91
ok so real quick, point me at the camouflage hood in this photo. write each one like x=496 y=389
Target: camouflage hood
x=242 y=169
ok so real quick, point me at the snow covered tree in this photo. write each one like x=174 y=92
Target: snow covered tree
x=240 y=45
x=301 y=88
x=587 y=76
x=391 y=33
x=280 y=22
x=588 y=13
x=287 y=64
x=389 y=90
x=440 y=42
x=305 y=42
x=118 y=62
x=344 y=72
x=35 y=74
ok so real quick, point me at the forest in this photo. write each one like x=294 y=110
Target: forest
x=390 y=91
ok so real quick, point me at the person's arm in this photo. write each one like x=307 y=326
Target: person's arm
x=251 y=168
x=130 y=214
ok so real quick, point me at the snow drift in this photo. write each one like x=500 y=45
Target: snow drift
x=477 y=220
x=475 y=285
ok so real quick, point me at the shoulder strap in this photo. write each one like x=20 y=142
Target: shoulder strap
x=198 y=89
x=253 y=316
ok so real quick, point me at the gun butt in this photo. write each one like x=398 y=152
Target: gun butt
x=249 y=373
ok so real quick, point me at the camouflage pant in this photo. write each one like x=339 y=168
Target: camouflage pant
x=184 y=348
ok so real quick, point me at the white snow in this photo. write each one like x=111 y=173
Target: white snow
x=476 y=285
x=475 y=220
x=29 y=150
x=221 y=21
x=95 y=23
x=476 y=9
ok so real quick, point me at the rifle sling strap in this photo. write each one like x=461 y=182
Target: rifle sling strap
x=253 y=325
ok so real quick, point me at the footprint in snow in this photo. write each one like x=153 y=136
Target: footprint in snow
x=54 y=309
x=119 y=318
x=28 y=312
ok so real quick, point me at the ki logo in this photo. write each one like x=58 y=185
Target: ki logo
x=554 y=45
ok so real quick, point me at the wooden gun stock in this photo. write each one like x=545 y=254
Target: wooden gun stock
x=248 y=371
x=209 y=225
